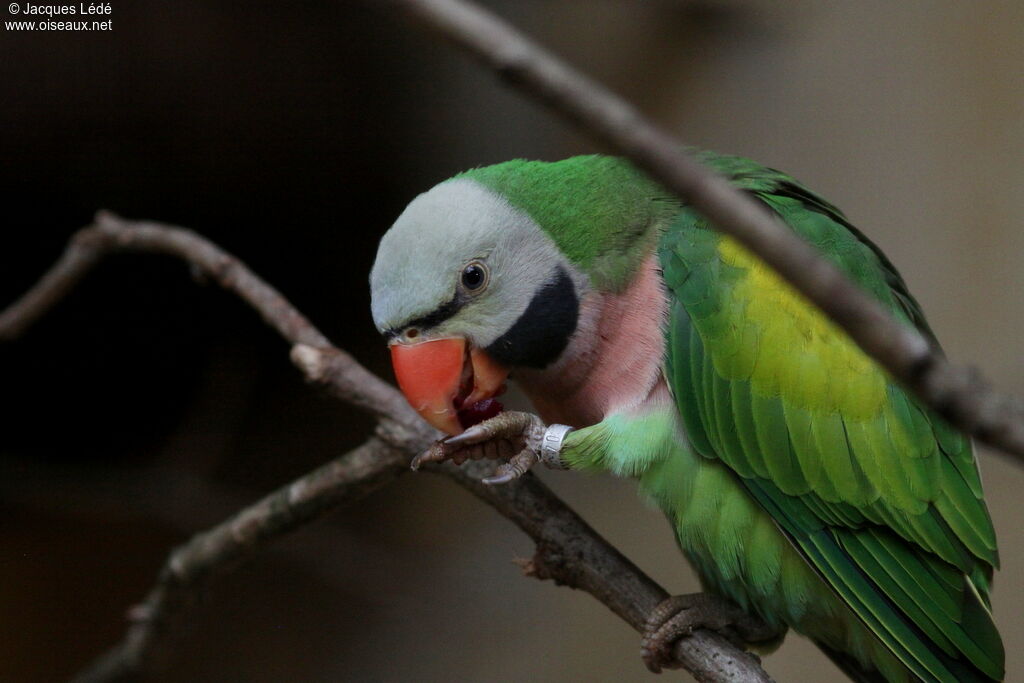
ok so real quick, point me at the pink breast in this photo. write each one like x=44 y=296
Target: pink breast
x=612 y=362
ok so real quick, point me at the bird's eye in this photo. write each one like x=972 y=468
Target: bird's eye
x=474 y=276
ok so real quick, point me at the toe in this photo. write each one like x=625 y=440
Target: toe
x=472 y=436
x=516 y=467
x=436 y=453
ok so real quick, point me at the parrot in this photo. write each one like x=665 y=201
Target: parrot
x=807 y=488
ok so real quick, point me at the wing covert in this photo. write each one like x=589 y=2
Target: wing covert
x=881 y=496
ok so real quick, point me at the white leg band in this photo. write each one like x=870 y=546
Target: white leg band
x=551 y=446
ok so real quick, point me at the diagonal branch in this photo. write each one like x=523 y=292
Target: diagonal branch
x=568 y=550
x=957 y=393
x=110 y=234
x=211 y=553
x=572 y=554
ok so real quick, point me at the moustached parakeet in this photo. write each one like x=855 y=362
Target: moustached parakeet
x=801 y=481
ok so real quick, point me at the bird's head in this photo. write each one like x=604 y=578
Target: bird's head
x=466 y=288
x=485 y=274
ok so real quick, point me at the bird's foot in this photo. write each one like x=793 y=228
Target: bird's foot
x=520 y=439
x=680 y=615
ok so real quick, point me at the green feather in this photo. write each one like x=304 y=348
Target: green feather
x=776 y=447
x=746 y=428
x=825 y=441
x=810 y=487
x=603 y=214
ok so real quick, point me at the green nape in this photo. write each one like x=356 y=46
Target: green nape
x=603 y=214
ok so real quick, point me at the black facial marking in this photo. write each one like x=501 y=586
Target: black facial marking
x=542 y=332
x=432 y=319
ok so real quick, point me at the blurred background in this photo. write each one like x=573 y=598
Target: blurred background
x=147 y=407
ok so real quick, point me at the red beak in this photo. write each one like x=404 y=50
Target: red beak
x=450 y=387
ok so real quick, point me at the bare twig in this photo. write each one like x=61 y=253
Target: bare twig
x=568 y=550
x=958 y=394
x=213 y=552
x=109 y=233
x=572 y=554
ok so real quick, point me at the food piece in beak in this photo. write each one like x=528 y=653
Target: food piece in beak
x=450 y=388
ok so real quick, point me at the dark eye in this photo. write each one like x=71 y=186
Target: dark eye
x=474 y=276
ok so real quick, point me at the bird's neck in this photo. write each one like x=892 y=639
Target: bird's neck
x=614 y=359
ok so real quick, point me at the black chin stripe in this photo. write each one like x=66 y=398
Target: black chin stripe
x=432 y=319
x=542 y=332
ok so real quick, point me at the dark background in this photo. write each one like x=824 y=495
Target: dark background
x=147 y=406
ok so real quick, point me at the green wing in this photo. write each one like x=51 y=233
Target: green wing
x=878 y=493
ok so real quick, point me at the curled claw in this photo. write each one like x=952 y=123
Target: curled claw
x=680 y=615
x=470 y=437
x=519 y=465
x=477 y=447
x=436 y=453
x=513 y=437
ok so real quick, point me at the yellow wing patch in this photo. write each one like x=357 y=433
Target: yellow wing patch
x=798 y=353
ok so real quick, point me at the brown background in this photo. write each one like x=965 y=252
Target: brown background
x=145 y=408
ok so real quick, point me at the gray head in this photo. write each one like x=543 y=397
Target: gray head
x=461 y=261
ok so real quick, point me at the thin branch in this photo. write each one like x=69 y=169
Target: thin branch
x=110 y=234
x=571 y=553
x=568 y=550
x=958 y=394
x=211 y=553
